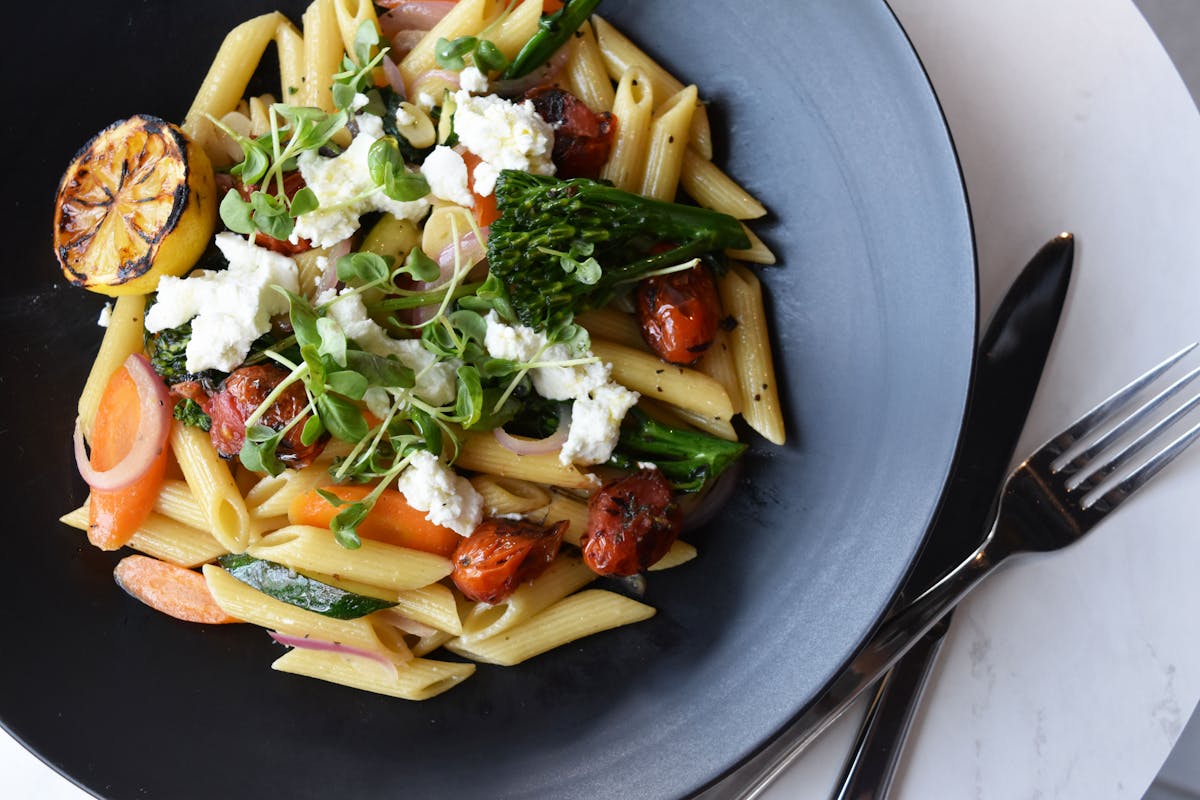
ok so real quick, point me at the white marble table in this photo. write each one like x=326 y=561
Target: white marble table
x=1072 y=676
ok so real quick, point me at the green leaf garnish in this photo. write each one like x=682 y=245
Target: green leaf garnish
x=235 y=213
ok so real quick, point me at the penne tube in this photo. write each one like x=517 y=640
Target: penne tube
x=163 y=538
x=741 y=295
x=586 y=73
x=509 y=495
x=756 y=253
x=480 y=452
x=305 y=548
x=613 y=326
x=250 y=605
x=322 y=54
x=177 y=501
x=562 y=507
x=583 y=614
x=517 y=28
x=566 y=575
x=619 y=54
x=467 y=18
x=427 y=644
x=668 y=145
x=122 y=339
x=709 y=186
x=272 y=496
x=633 y=106
x=290 y=46
x=213 y=486
x=433 y=605
x=680 y=553
x=350 y=15
x=229 y=75
x=686 y=388
x=419 y=679
x=719 y=365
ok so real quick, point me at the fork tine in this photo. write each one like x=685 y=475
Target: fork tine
x=1093 y=478
x=1059 y=445
x=1087 y=456
x=1119 y=493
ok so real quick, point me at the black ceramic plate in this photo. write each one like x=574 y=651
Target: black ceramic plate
x=823 y=110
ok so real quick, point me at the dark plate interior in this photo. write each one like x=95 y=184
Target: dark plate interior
x=819 y=107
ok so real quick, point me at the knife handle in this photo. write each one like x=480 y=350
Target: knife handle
x=872 y=763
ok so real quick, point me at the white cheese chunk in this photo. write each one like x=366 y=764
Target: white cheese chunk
x=228 y=308
x=449 y=499
x=599 y=403
x=505 y=135
x=473 y=80
x=105 y=315
x=345 y=190
x=446 y=173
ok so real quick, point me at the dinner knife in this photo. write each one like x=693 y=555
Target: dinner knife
x=1008 y=366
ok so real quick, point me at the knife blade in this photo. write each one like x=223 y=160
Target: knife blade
x=1009 y=365
x=1010 y=359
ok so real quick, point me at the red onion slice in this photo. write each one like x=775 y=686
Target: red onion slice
x=329 y=647
x=407 y=624
x=412 y=15
x=473 y=251
x=392 y=72
x=154 y=423
x=536 y=447
x=543 y=74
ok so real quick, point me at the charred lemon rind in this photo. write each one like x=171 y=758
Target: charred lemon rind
x=137 y=202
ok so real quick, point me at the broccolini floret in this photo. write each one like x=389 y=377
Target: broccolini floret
x=603 y=235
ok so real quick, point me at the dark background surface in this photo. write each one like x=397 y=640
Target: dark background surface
x=827 y=117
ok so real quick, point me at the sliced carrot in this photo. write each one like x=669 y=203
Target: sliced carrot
x=392 y=520
x=175 y=591
x=486 y=210
x=551 y=6
x=115 y=515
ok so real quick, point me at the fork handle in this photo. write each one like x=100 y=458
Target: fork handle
x=885 y=647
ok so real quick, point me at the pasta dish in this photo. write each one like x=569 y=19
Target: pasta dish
x=405 y=356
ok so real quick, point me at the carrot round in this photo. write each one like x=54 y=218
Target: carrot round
x=115 y=515
x=175 y=591
x=392 y=520
x=487 y=210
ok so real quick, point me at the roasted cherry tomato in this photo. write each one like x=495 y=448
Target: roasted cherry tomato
x=582 y=139
x=632 y=523
x=679 y=313
x=292 y=183
x=240 y=394
x=502 y=554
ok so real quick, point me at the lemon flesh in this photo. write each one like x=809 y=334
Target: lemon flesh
x=136 y=203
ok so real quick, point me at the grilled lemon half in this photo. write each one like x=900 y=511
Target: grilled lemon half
x=136 y=203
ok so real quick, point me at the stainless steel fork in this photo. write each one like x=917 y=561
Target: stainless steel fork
x=1049 y=501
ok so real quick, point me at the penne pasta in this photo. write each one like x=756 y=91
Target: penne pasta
x=680 y=553
x=322 y=54
x=122 y=339
x=741 y=294
x=306 y=548
x=515 y=29
x=467 y=18
x=679 y=386
x=756 y=253
x=588 y=612
x=586 y=73
x=480 y=452
x=213 y=487
x=350 y=15
x=419 y=679
x=566 y=575
x=709 y=186
x=562 y=507
x=240 y=600
x=619 y=54
x=289 y=44
x=433 y=605
x=668 y=145
x=719 y=365
x=272 y=496
x=163 y=538
x=614 y=326
x=177 y=501
x=509 y=495
x=633 y=106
